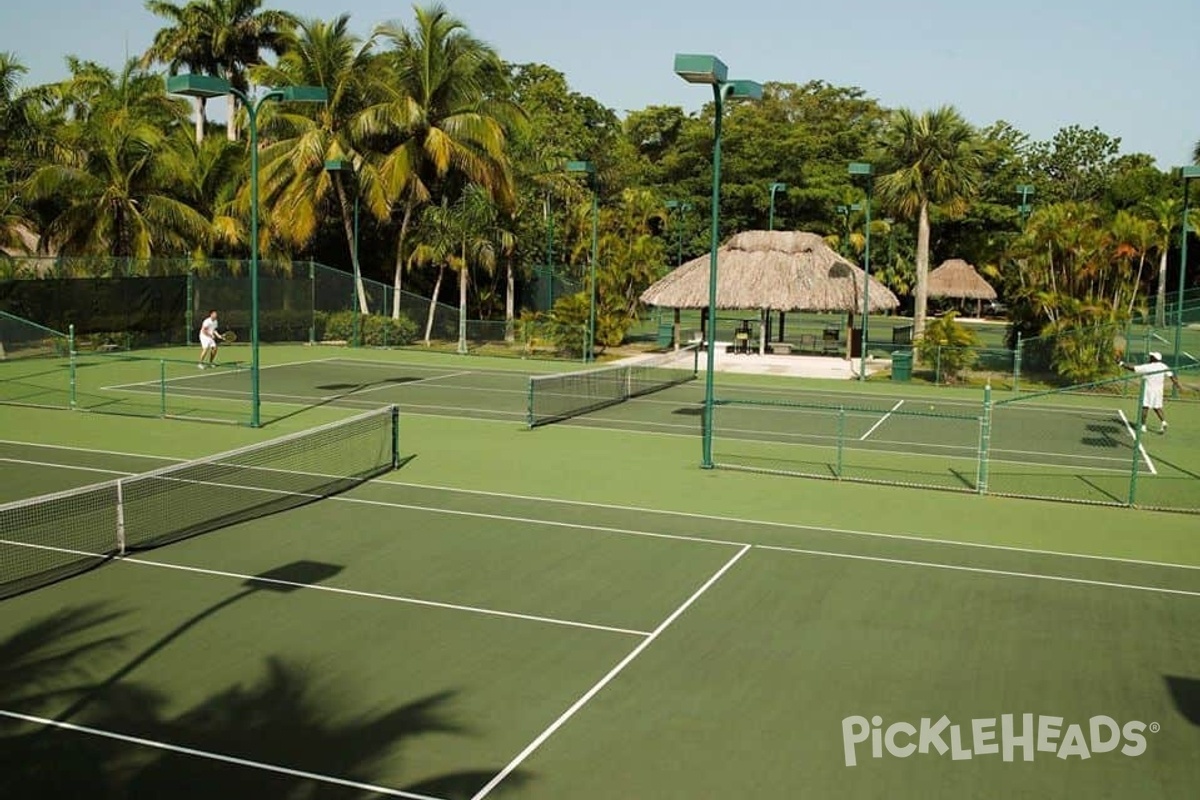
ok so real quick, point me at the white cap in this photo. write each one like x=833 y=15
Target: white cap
x=1154 y=355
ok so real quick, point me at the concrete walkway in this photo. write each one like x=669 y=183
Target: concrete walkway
x=834 y=367
x=831 y=367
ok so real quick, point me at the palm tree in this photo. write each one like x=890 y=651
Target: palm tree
x=445 y=116
x=1163 y=214
x=127 y=186
x=183 y=44
x=222 y=36
x=301 y=142
x=937 y=157
x=440 y=235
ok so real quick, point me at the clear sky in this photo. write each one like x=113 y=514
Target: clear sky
x=1130 y=68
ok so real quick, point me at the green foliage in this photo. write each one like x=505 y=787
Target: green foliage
x=948 y=345
x=1082 y=355
x=375 y=330
x=568 y=323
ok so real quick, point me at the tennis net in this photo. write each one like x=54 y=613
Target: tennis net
x=47 y=538
x=553 y=398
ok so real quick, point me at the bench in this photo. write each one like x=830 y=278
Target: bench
x=830 y=340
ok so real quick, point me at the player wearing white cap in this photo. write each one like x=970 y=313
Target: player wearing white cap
x=1153 y=373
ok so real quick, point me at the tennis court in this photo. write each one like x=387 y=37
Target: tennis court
x=579 y=612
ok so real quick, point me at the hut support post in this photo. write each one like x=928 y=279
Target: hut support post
x=675 y=333
x=762 y=331
x=781 y=315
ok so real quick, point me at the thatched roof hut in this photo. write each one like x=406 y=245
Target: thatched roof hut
x=956 y=278
x=772 y=271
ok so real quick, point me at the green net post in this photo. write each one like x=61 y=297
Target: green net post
x=188 y=311
x=162 y=386
x=841 y=436
x=529 y=417
x=937 y=366
x=1137 y=445
x=985 y=441
x=395 y=437
x=1017 y=363
x=71 y=364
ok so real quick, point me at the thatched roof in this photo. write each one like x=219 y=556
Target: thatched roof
x=775 y=270
x=957 y=278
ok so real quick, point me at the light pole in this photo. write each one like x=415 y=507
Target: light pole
x=864 y=169
x=589 y=169
x=1186 y=174
x=209 y=86
x=1025 y=190
x=773 y=188
x=339 y=165
x=712 y=71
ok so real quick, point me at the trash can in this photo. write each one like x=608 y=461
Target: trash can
x=666 y=334
x=902 y=361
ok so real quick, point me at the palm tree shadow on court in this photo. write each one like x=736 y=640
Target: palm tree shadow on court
x=286 y=718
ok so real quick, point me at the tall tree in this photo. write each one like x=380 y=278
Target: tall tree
x=935 y=158
x=446 y=116
x=302 y=140
x=184 y=43
x=127 y=185
x=1163 y=214
x=222 y=36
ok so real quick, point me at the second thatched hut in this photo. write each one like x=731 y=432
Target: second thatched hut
x=957 y=279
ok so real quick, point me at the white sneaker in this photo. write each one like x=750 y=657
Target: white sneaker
x=1163 y=429
x=1143 y=429
x=199 y=366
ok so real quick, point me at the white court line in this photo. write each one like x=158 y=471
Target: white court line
x=331 y=589
x=388 y=597
x=190 y=751
x=613 y=673
x=29 y=463
x=882 y=420
x=908 y=537
x=980 y=570
x=1141 y=447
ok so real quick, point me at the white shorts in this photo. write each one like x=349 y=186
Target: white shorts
x=207 y=342
x=1153 y=398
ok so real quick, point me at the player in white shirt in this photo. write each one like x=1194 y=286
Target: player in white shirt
x=1153 y=374
x=209 y=336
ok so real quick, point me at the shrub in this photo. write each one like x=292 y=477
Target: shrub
x=375 y=330
x=949 y=346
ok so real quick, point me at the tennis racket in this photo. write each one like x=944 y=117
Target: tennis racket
x=229 y=337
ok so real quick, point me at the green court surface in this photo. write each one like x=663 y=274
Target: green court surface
x=580 y=611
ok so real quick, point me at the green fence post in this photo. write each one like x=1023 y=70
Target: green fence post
x=841 y=435
x=71 y=399
x=985 y=441
x=937 y=366
x=1137 y=446
x=188 y=310
x=162 y=387
x=312 y=304
x=1017 y=364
